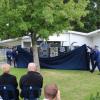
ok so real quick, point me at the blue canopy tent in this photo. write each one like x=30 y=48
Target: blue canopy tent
x=77 y=59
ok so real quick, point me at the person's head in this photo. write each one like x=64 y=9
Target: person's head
x=50 y=91
x=32 y=67
x=95 y=47
x=13 y=48
x=6 y=68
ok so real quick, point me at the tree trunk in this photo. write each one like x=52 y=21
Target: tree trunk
x=35 y=53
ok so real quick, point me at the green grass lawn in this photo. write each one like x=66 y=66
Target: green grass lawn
x=74 y=85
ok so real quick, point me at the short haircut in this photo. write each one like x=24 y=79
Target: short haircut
x=96 y=46
x=5 y=68
x=50 y=91
x=32 y=67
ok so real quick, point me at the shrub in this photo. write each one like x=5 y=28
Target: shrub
x=97 y=97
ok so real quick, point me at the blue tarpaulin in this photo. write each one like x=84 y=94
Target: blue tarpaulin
x=77 y=59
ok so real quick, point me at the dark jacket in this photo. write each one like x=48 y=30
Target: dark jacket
x=9 y=55
x=97 y=55
x=8 y=79
x=31 y=78
x=14 y=54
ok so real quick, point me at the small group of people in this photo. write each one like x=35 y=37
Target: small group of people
x=33 y=78
x=11 y=55
x=94 y=58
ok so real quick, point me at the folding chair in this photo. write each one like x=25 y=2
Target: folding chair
x=31 y=93
x=7 y=92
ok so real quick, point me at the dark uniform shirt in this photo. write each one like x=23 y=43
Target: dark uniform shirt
x=97 y=55
x=8 y=54
x=8 y=79
x=31 y=78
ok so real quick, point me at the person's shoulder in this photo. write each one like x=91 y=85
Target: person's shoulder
x=13 y=76
x=37 y=73
x=23 y=76
x=0 y=76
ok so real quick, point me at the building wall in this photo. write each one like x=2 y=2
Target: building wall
x=80 y=40
x=68 y=38
x=96 y=40
x=64 y=38
x=26 y=42
x=11 y=43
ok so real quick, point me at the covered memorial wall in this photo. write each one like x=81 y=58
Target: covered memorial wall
x=74 y=60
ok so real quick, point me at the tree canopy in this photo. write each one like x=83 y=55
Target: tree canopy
x=92 y=20
x=39 y=17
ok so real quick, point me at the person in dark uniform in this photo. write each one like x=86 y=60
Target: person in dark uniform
x=95 y=58
x=9 y=56
x=14 y=55
x=8 y=79
x=33 y=78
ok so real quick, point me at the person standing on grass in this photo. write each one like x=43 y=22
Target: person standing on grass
x=32 y=78
x=95 y=58
x=14 y=55
x=7 y=79
x=51 y=92
x=9 y=56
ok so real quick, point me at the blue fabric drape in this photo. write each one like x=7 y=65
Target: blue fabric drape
x=77 y=59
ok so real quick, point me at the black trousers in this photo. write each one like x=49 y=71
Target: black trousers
x=9 y=61
x=96 y=64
